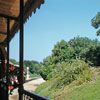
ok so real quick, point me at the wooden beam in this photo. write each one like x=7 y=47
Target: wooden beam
x=10 y=17
x=4 y=33
x=2 y=44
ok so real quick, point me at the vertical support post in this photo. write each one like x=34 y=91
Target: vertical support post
x=21 y=50
x=7 y=72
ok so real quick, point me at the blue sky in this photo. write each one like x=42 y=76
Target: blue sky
x=54 y=21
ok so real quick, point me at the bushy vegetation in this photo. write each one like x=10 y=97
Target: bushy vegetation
x=96 y=22
x=71 y=69
x=78 y=48
x=14 y=61
x=93 y=55
x=34 y=67
x=66 y=73
x=73 y=91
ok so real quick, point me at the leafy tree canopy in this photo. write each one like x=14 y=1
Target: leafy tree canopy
x=80 y=48
x=14 y=61
x=34 y=66
x=96 y=22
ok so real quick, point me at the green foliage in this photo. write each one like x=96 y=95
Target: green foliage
x=96 y=22
x=46 y=85
x=63 y=52
x=75 y=90
x=93 y=55
x=34 y=66
x=69 y=67
x=68 y=72
x=81 y=46
x=14 y=61
x=98 y=32
x=47 y=61
x=47 y=72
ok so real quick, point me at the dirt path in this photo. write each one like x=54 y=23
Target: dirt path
x=30 y=85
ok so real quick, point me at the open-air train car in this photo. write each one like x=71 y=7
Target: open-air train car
x=13 y=15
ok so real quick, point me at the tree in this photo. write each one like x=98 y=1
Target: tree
x=14 y=61
x=65 y=52
x=96 y=22
x=93 y=55
x=34 y=66
x=62 y=52
x=81 y=45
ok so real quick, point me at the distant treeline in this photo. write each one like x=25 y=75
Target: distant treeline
x=34 y=66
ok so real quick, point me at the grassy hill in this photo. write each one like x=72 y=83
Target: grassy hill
x=77 y=90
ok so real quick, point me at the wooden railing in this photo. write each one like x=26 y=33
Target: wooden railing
x=27 y=95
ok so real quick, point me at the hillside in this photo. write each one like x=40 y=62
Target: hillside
x=76 y=90
x=72 y=71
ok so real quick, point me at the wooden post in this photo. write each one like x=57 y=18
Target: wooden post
x=21 y=51
x=7 y=72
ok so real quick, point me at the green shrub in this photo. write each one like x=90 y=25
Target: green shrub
x=47 y=72
x=68 y=72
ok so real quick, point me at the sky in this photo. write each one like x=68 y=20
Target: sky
x=54 y=21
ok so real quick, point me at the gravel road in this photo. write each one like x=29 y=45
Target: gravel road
x=30 y=85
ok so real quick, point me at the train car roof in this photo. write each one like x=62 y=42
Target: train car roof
x=13 y=64
x=10 y=8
